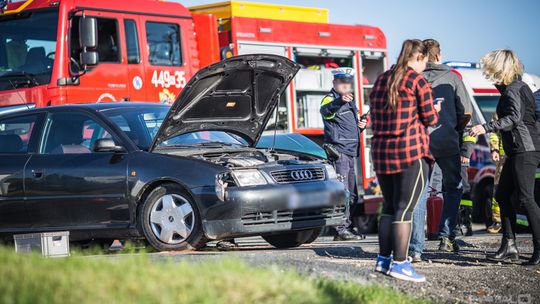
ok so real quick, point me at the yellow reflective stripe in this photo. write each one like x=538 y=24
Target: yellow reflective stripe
x=466 y=203
x=495 y=206
x=420 y=176
x=469 y=138
x=494 y=138
x=522 y=220
x=537 y=175
x=326 y=100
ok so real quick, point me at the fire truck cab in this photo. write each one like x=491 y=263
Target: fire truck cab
x=67 y=51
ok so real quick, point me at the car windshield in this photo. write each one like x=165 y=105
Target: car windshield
x=206 y=139
x=291 y=142
x=141 y=125
x=488 y=105
x=27 y=48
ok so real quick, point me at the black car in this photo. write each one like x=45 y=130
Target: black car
x=178 y=176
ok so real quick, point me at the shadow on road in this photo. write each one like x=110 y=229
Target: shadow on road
x=344 y=252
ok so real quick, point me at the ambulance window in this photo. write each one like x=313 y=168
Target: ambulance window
x=163 y=44
x=132 y=41
x=108 y=43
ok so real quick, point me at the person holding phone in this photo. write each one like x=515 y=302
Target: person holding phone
x=401 y=111
x=450 y=148
x=342 y=128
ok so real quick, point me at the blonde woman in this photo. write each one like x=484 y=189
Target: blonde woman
x=521 y=142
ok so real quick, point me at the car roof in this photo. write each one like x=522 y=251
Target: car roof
x=99 y=107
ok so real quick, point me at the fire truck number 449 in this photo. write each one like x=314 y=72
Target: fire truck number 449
x=166 y=79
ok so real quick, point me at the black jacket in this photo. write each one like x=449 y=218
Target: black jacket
x=537 y=102
x=340 y=123
x=446 y=139
x=516 y=119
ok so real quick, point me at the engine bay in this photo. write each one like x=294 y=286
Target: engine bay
x=255 y=158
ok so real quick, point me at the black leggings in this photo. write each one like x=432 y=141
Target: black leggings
x=402 y=190
x=516 y=188
x=401 y=193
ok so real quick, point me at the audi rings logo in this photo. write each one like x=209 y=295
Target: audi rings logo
x=300 y=175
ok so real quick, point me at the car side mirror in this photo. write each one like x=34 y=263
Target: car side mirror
x=106 y=145
x=88 y=40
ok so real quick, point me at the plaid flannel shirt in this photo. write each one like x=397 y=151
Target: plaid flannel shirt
x=400 y=136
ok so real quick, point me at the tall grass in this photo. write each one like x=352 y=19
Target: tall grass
x=139 y=279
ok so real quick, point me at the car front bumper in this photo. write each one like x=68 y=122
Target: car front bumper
x=272 y=208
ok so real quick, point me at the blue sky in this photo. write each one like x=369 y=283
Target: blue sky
x=466 y=29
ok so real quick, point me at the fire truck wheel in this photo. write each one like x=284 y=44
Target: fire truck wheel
x=289 y=239
x=170 y=220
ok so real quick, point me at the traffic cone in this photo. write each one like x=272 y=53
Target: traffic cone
x=116 y=246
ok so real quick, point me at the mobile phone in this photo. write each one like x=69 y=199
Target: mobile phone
x=438 y=100
x=364 y=116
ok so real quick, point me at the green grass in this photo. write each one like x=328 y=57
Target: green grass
x=138 y=279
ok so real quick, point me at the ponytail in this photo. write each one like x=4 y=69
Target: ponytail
x=410 y=48
x=433 y=49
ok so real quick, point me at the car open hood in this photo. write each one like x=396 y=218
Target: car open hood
x=237 y=95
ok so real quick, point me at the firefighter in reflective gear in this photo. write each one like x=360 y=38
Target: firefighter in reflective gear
x=466 y=204
x=342 y=128
x=498 y=156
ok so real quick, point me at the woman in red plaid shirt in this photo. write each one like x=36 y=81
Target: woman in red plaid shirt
x=401 y=110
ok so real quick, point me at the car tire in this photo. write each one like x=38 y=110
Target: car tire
x=169 y=220
x=314 y=235
x=289 y=239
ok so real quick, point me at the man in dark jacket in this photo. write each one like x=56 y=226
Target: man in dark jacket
x=448 y=146
x=342 y=128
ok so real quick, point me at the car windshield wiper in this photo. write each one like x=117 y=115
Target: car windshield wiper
x=206 y=144
x=31 y=77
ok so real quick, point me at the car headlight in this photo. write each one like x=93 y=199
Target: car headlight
x=249 y=177
x=330 y=171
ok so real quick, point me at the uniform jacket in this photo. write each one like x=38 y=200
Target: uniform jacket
x=340 y=123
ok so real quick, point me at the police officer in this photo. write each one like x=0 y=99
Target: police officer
x=342 y=128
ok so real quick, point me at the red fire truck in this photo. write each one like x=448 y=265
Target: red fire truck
x=125 y=50
x=78 y=51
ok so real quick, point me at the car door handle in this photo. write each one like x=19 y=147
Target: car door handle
x=37 y=173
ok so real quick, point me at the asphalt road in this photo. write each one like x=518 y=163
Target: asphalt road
x=465 y=277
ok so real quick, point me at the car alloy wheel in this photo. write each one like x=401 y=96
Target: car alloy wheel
x=172 y=219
